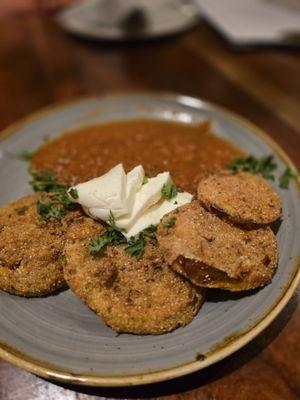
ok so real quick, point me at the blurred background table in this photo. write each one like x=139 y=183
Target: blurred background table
x=40 y=65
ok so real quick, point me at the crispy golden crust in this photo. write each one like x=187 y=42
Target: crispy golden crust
x=141 y=297
x=31 y=250
x=243 y=197
x=213 y=253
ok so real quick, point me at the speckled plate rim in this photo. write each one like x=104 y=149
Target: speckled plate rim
x=230 y=344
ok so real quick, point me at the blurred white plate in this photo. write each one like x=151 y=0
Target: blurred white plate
x=102 y=19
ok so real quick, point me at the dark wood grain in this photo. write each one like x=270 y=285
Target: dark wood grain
x=40 y=65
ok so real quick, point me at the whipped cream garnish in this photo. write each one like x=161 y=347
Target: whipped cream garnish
x=134 y=201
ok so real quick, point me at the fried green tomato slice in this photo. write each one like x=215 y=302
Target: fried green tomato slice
x=135 y=296
x=212 y=253
x=31 y=250
x=243 y=197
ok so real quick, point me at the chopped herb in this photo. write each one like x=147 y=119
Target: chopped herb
x=169 y=222
x=63 y=198
x=175 y=202
x=45 y=181
x=49 y=210
x=285 y=178
x=26 y=155
x=150 y=232
x=263 y=166
x=112 y=236
x=136 y=247
x=112 y=220
x=96 y=245
x=145 y=180
x=200 y=357
x=73 y=193
x=21 y=210
x=169 y=190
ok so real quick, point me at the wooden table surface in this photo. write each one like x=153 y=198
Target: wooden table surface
x=41 y=65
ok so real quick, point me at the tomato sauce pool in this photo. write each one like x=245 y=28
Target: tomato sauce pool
x=189 y=152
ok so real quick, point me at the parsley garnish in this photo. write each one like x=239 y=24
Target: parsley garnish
x=48 y=210
x=62 y=197
x=285 y=178
x=26 y=155
x=169 y=190
x=136 y=247
x=150 y=232
x=145 y=180
x=112 y=236
x=73 y=193
x=45 y=181
x=169 y=222
x=263 y=166
x=21 y=210
x=112 y=220
x=96 y=245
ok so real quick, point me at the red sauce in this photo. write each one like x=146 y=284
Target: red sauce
x=189 y=152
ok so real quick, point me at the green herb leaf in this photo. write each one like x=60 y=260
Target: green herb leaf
x=136 y=248
x=149 y=232
x=73 y=193
x=137 y=245
x=284 y=180
x=26 y=155
x=112 y=220
x=45 y=181
x=48 y=210
x=263 y=166
x=169 y=190
x=145 y=180
x=21 y=210
x=111 y=236
x=96 y=245
x=62 y=197
x=169 y=222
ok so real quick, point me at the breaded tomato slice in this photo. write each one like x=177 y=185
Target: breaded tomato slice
x=31 y=249
x=243 y=197
x=135 y=296
x=210 y=252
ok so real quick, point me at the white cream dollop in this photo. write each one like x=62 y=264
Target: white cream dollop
x=133 y=204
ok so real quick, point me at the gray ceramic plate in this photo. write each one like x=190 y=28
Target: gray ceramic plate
x=60 y=338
